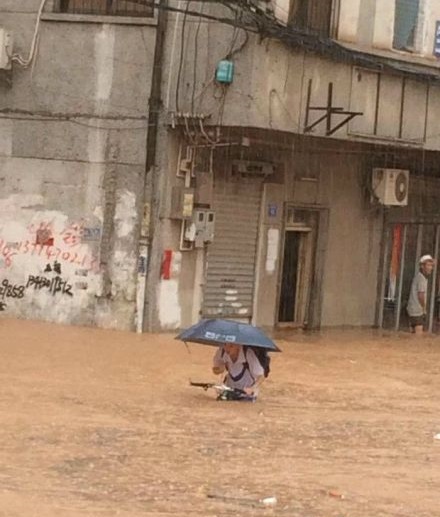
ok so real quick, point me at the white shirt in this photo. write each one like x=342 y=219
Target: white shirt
x=419 y=285
x=245 y=377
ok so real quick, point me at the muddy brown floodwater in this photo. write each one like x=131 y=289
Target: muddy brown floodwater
x=101 y=423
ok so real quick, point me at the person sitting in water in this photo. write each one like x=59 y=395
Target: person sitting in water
x=244 y=371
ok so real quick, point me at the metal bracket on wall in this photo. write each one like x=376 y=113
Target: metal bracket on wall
x=329 y=110
x=194 y=128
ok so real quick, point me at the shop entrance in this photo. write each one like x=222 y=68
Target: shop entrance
x=404 y=245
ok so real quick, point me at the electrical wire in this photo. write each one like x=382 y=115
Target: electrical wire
x=77 y=122
x=234 y=38
x=257 y=22
x=75 y=118
x=182 y=55
x=222 y=105
x=25 y=62
x=196 y=51
x=236 y=51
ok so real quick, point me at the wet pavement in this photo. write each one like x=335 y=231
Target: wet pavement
x=103 y=423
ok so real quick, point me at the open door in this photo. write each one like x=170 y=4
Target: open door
x=297 y=270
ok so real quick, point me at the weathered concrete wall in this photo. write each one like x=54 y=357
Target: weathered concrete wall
x=349 y=20
x=350 y=261
x=72 y=159
x=271 y=82
x=281 y=9
x=370 y=24
x=353 y=250
x=269 y=256
x=351 y=257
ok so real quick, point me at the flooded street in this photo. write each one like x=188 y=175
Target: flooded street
x=100 y=423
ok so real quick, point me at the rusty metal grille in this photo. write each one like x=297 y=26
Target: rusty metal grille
x=313 y=16
x=105 y=7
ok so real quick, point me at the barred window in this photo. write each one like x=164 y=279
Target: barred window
x=405 y=24
x=314 y=16
x=105 y=7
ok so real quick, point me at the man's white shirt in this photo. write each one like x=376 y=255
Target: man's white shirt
x=250 y=373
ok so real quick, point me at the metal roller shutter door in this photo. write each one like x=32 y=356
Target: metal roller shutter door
x=229 y=288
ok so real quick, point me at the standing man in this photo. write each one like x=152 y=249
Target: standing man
x=417 y=302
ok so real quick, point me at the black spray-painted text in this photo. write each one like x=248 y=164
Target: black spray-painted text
x=53 y=285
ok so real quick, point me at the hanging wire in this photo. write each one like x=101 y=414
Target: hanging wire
x=195 y=61
x=182 y=55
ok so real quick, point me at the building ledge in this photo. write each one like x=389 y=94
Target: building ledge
x=419 y=67
x=92 y=18
x=411 y=58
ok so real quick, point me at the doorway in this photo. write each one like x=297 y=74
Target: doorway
x=297 y=269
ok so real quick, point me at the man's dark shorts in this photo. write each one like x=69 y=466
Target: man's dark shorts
x=417 y=321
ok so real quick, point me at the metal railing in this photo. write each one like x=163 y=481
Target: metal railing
x=105 y=7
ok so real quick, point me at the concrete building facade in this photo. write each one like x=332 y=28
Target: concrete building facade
x=256 y=199
x=73 y=133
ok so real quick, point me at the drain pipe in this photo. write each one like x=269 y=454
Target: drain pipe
x=147 y=222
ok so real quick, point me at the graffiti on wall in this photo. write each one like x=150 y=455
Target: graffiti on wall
x=44 y=241
x=49 y=266
x=76 y=233
x=55 y=285
x=44 y=237
x=6 y=253
x=26 y=247
x=9 y=290
x=55 y=267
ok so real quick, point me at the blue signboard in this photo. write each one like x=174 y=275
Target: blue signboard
x=437 y=40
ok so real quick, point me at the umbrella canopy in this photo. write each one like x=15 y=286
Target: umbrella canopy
x=219 y=332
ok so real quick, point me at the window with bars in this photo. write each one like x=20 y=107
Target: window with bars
x=314 y=16
x=137 y=8
x=406 y=20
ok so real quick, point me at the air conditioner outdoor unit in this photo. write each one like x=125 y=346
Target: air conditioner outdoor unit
x=5 y=49
x=391 y=186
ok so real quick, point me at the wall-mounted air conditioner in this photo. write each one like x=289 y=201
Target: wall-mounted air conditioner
x=391 y=186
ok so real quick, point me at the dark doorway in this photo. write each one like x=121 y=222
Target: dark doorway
x=289 y=280
x=298 y=269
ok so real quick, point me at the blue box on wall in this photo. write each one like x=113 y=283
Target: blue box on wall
x=225 y=72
